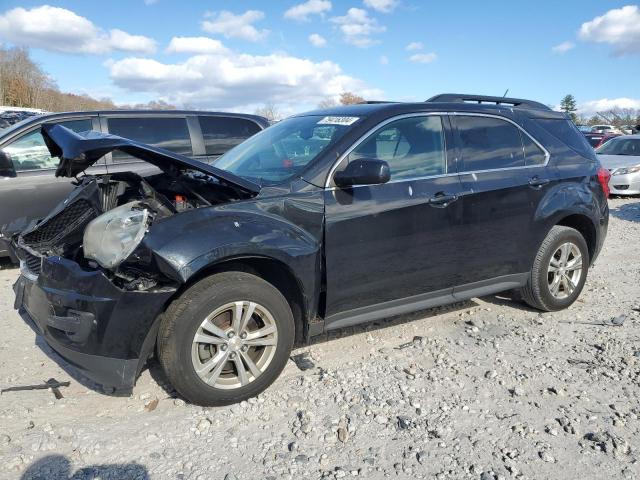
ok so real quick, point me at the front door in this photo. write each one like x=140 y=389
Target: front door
x=395 y=240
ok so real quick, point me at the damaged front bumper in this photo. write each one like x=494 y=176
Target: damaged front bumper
x=105 y=332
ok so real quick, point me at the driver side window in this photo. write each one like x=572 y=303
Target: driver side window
x=413 y=147
x=29 y=152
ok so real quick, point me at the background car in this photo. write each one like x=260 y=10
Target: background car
x=598 y=139
x=605 y=129
x=29 y=190
x=12 y=115
x=622 y=157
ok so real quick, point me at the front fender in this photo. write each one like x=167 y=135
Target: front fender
x=185 y=244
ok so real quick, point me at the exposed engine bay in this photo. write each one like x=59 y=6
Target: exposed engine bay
x=63 y=232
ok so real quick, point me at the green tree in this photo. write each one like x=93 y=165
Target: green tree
x=568 y=105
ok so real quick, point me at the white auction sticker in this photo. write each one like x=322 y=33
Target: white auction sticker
x=338 y=120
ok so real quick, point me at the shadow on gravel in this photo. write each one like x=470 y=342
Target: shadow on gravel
x=629 y=212
x=58 y=467
x=509 y=299
x=6 y=264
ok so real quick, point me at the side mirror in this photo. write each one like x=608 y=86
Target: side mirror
x=6 y=165
x=364 y=171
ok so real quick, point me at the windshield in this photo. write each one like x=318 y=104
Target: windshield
x=621 y=146
x=284 y=149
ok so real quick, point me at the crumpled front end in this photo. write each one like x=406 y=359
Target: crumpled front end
x=104 y=331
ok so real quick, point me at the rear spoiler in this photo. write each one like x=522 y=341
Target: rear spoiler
x=78 y=151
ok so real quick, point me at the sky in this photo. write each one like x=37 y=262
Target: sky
x=238 y=55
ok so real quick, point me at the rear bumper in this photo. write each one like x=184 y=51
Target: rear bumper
x=103 y=331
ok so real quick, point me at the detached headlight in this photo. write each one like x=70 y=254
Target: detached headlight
x=114 y=235
x=627 y=170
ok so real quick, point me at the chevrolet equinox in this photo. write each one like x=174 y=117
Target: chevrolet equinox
x=324 y=220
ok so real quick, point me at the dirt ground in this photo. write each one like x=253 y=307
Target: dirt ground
x=485 y=389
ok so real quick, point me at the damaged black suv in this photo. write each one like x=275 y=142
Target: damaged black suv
x=324 y=220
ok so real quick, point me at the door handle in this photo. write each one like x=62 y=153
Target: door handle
x=441 y=200
x=537 y=182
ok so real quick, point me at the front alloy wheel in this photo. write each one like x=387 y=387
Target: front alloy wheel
x=226 y=338
x=234 y=345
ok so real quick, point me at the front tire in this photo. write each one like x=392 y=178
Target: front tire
x=559 y=270
x=226 y=338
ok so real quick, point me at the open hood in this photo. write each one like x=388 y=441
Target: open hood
x=78 y=151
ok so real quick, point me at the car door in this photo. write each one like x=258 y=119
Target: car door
x=501 y=193
x=35 y=190
x=395 y=240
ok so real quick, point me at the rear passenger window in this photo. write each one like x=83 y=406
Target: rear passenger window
x=488 y=143
x=223 y=133
x=413 y=147
x=168 y=133
x=533 y=154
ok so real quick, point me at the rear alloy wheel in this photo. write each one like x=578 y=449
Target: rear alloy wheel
x=559 y=270
x=226 y=338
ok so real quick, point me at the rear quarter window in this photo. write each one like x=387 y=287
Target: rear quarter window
x=221 y=134
x=567 y=133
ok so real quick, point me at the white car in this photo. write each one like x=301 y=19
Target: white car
x=621 y=156
x=605 y=129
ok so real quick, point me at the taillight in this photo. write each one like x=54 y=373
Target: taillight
x=603 y=177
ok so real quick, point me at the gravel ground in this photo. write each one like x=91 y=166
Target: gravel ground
x=485 y=389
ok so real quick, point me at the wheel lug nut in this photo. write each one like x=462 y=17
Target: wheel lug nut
x=230 y=334
x=223 y=348
x=244 y=348
x=243 y=335
x=232 y=355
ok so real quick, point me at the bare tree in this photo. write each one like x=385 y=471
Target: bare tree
x=270 y=111
x=349 y=98
x=327 y=103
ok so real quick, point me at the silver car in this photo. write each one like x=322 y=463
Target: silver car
x=621 y=156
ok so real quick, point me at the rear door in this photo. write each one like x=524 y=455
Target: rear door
x=35 y=190
x=501 y=174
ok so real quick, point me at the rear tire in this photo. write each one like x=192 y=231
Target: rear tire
x=226 y=338
x=559 y=270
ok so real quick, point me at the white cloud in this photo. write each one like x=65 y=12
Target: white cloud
x=384 y=60
x=423 y=58
x=235 y=26
x=237 y=81
x=317 y=40
x=357 y=27
x=302 y=11
x=413 y=46
x=61 y=30
x=604 y=104
x=126 y=42
x=619 y=27
x=384 y=6
x=563 y=47
x=195 y=45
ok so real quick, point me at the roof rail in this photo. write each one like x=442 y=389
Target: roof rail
x=463 y=98
x=374 y=102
